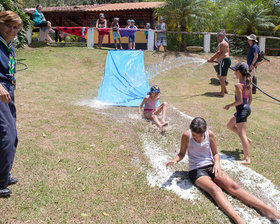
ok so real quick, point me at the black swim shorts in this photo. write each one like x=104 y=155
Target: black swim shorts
x=223 y=67
x=202 y=171
x=43 y=24
x=242 y=112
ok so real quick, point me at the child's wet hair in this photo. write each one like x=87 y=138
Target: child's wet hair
x=198 y=125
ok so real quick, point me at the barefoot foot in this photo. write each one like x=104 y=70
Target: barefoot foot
x=244 y=162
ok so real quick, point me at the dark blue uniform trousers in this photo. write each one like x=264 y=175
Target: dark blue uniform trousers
x=8 y=136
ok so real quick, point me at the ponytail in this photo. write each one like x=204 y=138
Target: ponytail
x=248 y=80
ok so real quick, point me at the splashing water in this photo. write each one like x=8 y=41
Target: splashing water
x=94 y=103
x=154 y=70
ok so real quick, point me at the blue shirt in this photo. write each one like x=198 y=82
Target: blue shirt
x=37 y=17
x=133 y=34
x=250 y=56
x=6 y=51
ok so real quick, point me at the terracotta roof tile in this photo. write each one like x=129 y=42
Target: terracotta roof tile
x=101 y=7
x=124 y=6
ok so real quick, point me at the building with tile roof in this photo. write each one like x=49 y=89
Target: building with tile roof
x=86 y=15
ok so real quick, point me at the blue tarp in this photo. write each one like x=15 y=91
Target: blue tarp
x=124 y=82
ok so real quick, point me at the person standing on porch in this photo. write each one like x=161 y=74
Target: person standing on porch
x=101 y=23
x=161 y=34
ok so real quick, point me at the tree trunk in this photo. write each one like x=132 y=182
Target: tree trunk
x=182 y=46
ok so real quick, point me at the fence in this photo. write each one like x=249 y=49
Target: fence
x=151 y=39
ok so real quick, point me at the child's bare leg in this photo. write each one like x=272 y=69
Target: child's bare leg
x=241 y=127
x=231 y=125
x=155 y=119
x=116 y=45
x=217 y=194
x=162 y=108
x=120 y=43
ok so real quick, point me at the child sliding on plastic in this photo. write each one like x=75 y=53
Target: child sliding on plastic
x=150 y=110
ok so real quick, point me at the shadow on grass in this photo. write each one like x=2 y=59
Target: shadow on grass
x=214 y=81
x=38 y=44
x=183 y=183
x=269 y=100
x=235 y=154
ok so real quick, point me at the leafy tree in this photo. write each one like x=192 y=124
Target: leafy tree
x=15 y=6
x=250 y=16
x=183 y=15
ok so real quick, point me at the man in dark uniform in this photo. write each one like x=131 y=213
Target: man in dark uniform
x=252 y=58
x=10 y=23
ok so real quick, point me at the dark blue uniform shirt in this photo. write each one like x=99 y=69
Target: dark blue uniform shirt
x=4 y=60
x=250 y=56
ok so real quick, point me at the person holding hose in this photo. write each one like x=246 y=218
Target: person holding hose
x=252 y=59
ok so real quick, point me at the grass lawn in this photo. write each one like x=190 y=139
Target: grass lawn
x=77 y=164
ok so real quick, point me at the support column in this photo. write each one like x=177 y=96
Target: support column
x=151 y=40
x=29 y=35
x=207 y=43
x=90 y=37
x=262 y=44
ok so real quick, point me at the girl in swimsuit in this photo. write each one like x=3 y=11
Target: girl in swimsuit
x=243 y=99
x=151 y=112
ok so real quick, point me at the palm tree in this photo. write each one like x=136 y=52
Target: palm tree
x=180 y=15
x=276 y=28
x=249 y=16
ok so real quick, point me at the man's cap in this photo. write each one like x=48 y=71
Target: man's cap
x=101 y=15
x=155 y=89
x=116 y=18
x=161 y=18
x=252 y=37
x=148 y=24
x=240 y=66
x=221 y=34
x=132 y=21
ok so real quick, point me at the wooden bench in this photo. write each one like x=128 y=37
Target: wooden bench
x=271 y=49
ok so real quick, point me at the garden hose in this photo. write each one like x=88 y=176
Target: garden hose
x=22 y=69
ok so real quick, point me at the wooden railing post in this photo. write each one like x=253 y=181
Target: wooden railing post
x=29 y=35
x=207 y=43
x=151 y=40
x=262 y=43
x=90 y=37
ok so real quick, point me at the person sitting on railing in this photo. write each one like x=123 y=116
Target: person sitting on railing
x=40 y=21
x=161 y=34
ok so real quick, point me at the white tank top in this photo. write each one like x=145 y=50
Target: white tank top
x=199 y=154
